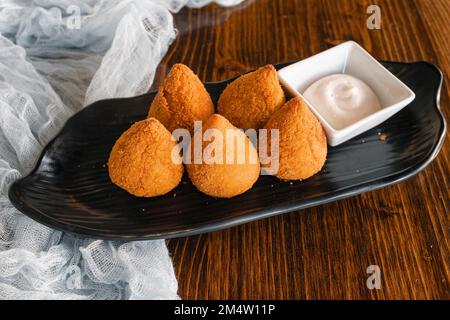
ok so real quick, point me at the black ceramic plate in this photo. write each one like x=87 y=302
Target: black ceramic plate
x=70 y=189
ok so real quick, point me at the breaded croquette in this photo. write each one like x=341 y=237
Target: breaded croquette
x=141 y=160
x=237 y=167
x=302 y=141
x=181 y=100
x=250 y=100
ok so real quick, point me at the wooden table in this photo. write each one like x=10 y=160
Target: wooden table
x=323 y=252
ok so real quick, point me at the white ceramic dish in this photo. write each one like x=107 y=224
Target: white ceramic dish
x=349 y=58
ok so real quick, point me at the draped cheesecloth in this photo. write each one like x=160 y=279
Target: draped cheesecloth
x=56 y=57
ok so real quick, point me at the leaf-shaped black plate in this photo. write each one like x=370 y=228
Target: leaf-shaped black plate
x=70 y=189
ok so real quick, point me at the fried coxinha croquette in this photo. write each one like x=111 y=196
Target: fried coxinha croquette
x=302 y=141
x=250 y=100
x=225 y=178
x=181 y=100
x=141 y=160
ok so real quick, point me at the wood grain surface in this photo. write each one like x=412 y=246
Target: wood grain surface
x=323 y=252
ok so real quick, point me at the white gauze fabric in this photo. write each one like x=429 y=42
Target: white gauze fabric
x=57 y=56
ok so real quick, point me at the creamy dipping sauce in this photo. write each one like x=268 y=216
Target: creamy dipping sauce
x=342 y=99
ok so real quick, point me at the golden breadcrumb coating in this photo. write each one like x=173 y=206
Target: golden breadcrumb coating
x=141 y=160
x=250 y=100
x=226 y=180
x=181 y=100
x=303 y=143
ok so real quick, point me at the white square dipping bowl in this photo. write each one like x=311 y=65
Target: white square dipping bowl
x=348 y=58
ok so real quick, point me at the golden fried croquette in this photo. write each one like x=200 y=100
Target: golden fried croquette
x=181 y=100
x=302 y=141
x=141 y=160
x=235 y=169
x=250 y=100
